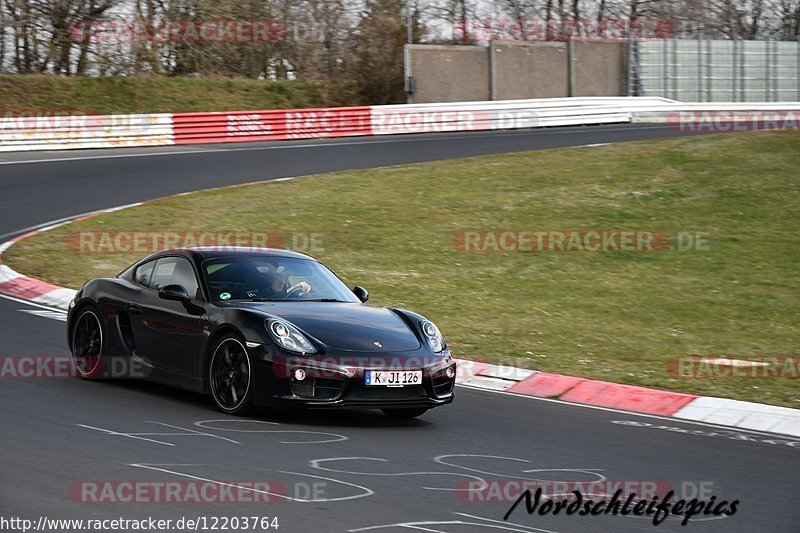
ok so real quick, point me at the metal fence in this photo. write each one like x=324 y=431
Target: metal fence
x=700 y=70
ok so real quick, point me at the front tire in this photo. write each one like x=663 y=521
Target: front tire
x=230 y=376
x=87 y=344
x=405 y=413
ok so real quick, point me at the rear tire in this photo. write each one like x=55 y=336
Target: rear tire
x=405 y=413
x=230 y=377
x=87 y=343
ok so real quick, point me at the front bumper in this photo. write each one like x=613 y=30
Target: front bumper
x=339 y=381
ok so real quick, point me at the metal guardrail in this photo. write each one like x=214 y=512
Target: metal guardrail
x=244 y=126
x=84 y=131
x=113 y=131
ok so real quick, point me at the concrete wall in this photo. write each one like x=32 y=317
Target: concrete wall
x=524 y=71
x=512 y=70
x=448 y=73
x=600 y=68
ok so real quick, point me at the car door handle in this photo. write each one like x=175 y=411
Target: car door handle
x=134 y=308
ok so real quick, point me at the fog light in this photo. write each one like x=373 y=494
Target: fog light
x=450 y=372
x=299 y=374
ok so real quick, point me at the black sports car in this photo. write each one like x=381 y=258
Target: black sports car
x=258 y=327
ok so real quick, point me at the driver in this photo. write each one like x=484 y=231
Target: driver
x=280 y=288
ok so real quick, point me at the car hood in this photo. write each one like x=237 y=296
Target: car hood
x=345 y=326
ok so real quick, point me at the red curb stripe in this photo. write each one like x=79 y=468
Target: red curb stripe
x=628 y=397
x=23 y=236
x=545 y=385
x=26 y=288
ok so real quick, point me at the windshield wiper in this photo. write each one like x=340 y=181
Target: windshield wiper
x=321 y=300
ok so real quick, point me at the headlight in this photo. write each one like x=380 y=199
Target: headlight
x=432 y=335
x=289 y=337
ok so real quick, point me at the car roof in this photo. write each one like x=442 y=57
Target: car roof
x=212 y=252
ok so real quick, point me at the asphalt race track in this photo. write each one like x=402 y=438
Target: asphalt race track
x=335 y=471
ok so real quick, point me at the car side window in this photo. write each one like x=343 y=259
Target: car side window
x=175 y=271
x=144 y=273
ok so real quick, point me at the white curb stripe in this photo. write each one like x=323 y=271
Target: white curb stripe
x=6 y=274
x=747 y=415
x=59 y=298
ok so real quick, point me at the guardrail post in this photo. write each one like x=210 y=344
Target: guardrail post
x=570 y=67
x=674 y=69
x=735 y=69
x=709 y=72
x=407 y=74
x=492 y=72
x=742 y=72
x=629 y=68
x=767 y=64
x=664 y=72
x=698 y=56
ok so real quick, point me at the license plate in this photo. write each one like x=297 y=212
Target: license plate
x=393 y=378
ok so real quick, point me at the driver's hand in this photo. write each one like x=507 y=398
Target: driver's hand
x=303 y=287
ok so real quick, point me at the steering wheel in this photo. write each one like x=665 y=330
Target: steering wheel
x=294 y=292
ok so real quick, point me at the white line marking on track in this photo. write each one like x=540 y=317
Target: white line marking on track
x=46 y=313
x=335 y=436
x=315 y=463
x=589 y=471
x=32 y=304
x=129 y=435
x=48 y=225
x=142 y=435
x=195 y=432
x=420 y=526
x=499 y=522
x=367 y=492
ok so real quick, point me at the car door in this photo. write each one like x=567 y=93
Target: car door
x=168 y=333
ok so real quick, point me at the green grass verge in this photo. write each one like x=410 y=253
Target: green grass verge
x=613 y=316
x=151 y=94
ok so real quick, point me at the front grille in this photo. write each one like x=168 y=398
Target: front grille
x=318 y=388
x=413 y=392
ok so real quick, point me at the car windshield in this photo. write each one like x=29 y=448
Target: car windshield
x=270 y=278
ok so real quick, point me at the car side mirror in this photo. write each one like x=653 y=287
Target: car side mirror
x=174 y=292
x=361 y=293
